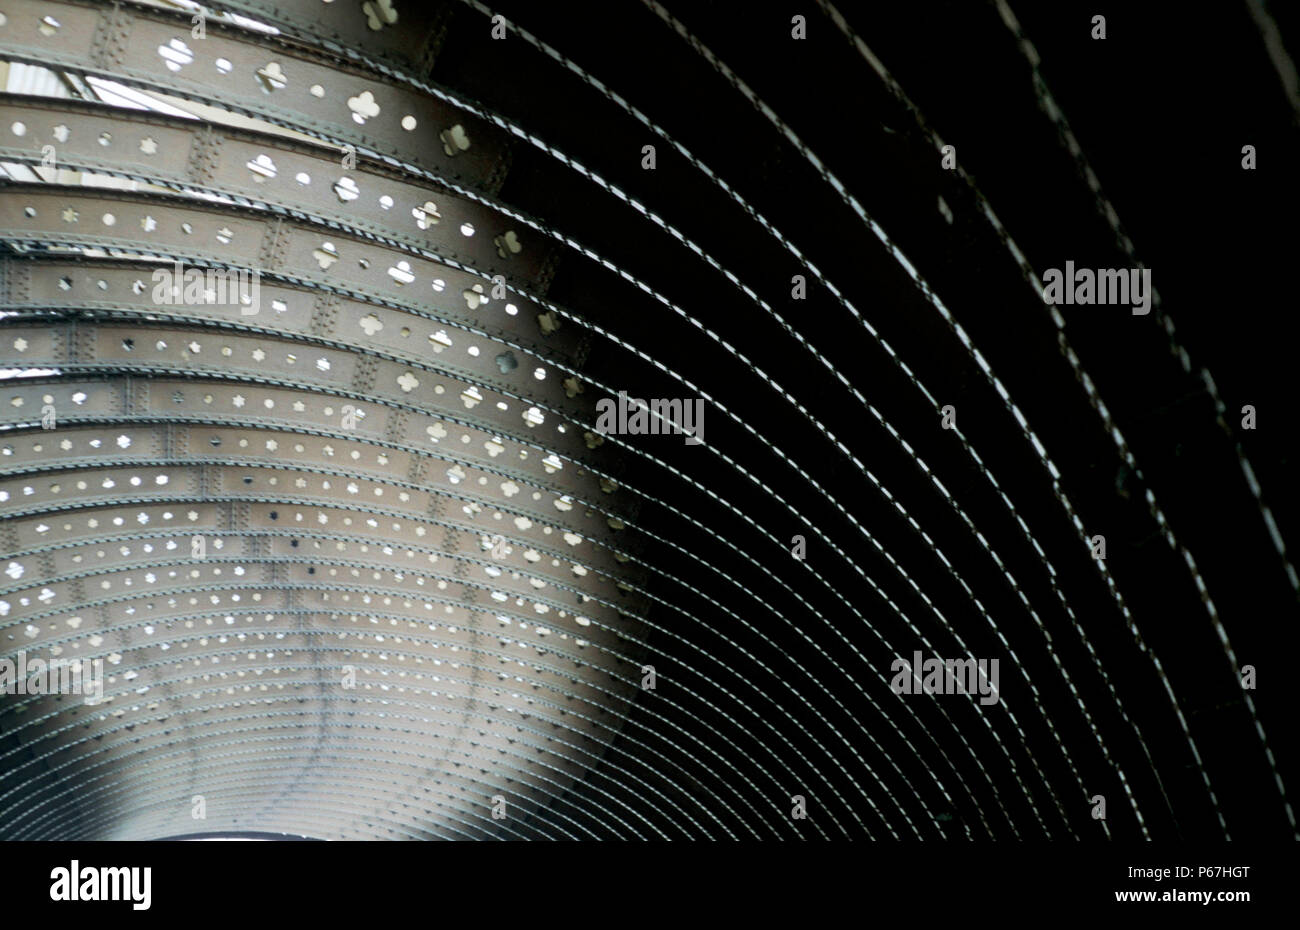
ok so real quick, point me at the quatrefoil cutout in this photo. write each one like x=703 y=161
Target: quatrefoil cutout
x=379 y=14
x=474 y=296
x=326 y=255
x=346 y=189
x=454 y=140
x=272 y=78
x=175 y=54
x=401 y=273
x=426 y=215
x=262 y=167
x=363 y=107
x=508 y=244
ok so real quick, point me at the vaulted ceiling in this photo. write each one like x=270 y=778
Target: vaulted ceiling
x=358 y=561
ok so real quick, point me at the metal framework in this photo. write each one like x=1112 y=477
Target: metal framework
x=307 y=308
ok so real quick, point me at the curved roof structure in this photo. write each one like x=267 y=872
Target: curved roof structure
x=463 y=421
